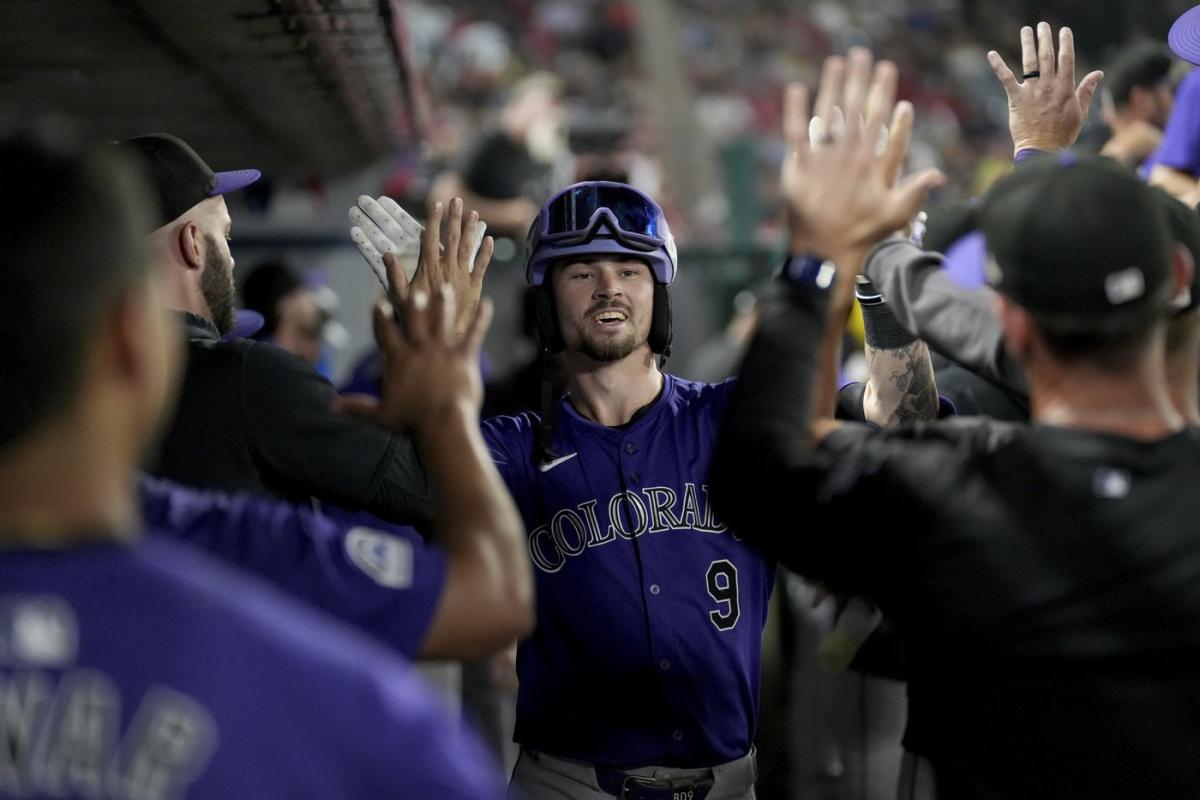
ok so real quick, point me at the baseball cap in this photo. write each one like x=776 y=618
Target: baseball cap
x=1184 y=36
x=1077 y=236
x=179 y=177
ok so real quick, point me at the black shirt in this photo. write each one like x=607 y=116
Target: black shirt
x=1046 y=581
x=253 y=417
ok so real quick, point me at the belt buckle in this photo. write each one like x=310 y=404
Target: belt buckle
x=642 y=787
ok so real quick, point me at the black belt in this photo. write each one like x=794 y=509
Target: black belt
x=622 y=785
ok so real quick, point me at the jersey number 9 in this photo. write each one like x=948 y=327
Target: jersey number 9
x=723 y=588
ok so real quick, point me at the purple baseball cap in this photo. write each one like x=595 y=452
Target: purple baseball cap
x=1184 y=37
x=179 y=177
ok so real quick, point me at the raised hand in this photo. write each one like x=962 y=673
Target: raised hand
x=453 y=264
x=841 y=196
x=1046 y=110
x=402 y=253
x=429 y=370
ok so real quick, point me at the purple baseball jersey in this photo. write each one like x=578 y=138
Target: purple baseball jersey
x=148 y=671
x=650 y=612
x=384 y=579
x=1181 y=140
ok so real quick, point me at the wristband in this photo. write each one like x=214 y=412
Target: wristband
x=808 y=270
x=881 y=330
x=1026 y=153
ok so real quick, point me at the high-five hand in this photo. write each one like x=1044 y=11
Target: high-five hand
x=841 y=196
x=1046 y=110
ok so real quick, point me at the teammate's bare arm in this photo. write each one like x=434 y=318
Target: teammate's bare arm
x=900 y=385
x=432 y=387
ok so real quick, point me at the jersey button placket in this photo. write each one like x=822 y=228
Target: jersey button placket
x=627 y=463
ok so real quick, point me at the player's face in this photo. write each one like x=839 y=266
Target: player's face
x=604 y=305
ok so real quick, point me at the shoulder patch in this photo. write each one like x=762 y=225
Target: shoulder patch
x=387 y=559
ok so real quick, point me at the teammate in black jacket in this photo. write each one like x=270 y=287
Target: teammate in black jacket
x=253 y=417
x=1046 y=577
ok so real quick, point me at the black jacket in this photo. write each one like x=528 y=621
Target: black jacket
x=1045 y=581
x=255 y=418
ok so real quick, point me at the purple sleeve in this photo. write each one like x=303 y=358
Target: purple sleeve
x=386 y=583
x=1181 y=141
x=508 y=440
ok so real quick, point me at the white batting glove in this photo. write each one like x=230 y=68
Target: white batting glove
x=382 y=226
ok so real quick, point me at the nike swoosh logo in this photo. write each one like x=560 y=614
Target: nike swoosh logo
x=546 y=466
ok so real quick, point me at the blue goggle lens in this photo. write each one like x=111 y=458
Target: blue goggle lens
x=571 y=211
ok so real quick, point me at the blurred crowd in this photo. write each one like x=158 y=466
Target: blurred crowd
x=736 y=59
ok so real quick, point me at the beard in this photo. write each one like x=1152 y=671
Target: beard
x=606 y=348
x=609 y=349
x=217 y=286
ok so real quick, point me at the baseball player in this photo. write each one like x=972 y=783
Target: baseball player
x=1043 y=575
x=135 y=668
x=641 y=679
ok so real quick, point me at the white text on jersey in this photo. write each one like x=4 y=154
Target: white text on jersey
x=655 y=509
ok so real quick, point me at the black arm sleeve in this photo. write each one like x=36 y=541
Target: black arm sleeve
x=303 y=448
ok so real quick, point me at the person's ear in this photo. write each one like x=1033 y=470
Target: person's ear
x=190 y=242
x=1183 y=265
x=1016 y=324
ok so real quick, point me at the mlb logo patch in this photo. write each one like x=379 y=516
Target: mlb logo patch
x=1111 y=483
x=37 y=631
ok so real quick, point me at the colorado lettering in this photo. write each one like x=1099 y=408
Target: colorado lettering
x=625 y=515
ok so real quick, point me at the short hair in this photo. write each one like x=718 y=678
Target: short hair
x=71 y=240
x=1112 y=344
x=1146 y=65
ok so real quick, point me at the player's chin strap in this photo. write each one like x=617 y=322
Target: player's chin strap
x=542 y=453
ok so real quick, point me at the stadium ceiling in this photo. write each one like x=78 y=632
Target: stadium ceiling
x=291 y=86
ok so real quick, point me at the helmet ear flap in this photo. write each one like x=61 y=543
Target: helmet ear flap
x=546 y=318
x=660 y=320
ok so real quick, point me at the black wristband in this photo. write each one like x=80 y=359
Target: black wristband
x=881 y=330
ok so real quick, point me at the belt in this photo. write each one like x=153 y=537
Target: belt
x=624 y=786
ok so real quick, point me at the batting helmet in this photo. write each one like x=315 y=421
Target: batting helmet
x=601 y=218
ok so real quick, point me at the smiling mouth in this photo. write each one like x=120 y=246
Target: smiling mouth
x=611 y=317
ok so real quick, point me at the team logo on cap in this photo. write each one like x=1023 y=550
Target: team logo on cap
x=1121 y=287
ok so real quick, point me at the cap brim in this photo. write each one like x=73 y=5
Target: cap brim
x=232 y=181
x=248 y=323
x=966 y=261
x=1184 y=37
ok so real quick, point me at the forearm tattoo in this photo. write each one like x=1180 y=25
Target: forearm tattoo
x=902 y=383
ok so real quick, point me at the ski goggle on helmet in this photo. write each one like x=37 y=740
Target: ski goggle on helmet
x=600 y=218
